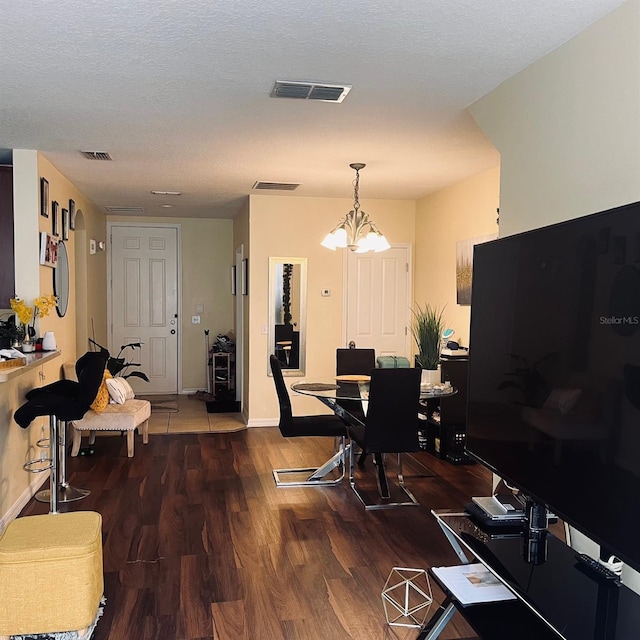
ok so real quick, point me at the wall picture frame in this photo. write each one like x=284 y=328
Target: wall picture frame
x=65 y=224
x=44 y=197
x=464 y=266
x=55 y=222
x=48 y=250
x=244 y=277
x=72 y=214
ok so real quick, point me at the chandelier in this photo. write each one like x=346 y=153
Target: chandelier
x=356 y=231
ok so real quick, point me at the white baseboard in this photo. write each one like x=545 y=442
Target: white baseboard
x=263 y=422
x=188 y=392
x=22 y=501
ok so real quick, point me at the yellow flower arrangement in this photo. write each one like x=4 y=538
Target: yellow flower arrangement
x=26 y=315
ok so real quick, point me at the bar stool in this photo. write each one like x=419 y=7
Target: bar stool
x=62 y=401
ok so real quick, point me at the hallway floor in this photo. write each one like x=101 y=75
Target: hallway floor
x=192 y=417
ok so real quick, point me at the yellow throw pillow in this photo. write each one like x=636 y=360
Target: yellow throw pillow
x=102 y=399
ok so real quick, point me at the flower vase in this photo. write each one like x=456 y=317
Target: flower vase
x=28 y=346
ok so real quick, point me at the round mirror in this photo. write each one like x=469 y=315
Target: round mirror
x=61 y=280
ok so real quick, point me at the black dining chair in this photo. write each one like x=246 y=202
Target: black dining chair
x=302 y=426
x=354 y=361
x=390 y=426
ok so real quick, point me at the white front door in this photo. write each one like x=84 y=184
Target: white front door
x=378 y=303
x=144 y=302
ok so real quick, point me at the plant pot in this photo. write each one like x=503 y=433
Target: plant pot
x=430 y=376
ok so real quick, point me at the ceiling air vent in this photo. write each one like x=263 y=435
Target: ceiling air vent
x=125 y=211
x=96 y=155
x=310 y=91
x=276 y=186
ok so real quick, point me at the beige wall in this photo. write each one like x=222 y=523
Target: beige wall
x=294 y=227
x=206 y=249
x=18 y=445
x=568 y=127
x=462 y=211
x=92 y=307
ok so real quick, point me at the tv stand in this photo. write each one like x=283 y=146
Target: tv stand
x=555 y=599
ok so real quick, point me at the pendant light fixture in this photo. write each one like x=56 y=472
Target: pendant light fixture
x=356 y=231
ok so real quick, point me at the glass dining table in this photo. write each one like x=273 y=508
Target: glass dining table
x=340 y=392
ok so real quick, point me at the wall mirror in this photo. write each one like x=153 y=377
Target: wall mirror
x=61 y=280
x=287 y=313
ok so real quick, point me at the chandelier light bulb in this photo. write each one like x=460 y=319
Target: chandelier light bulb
x=329 y=241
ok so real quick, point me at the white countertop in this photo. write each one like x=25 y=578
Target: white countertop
x=33 y=360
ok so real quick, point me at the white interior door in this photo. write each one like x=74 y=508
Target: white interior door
x=378 y=300
x=144 y=302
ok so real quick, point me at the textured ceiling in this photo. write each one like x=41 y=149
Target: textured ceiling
x=177 y=91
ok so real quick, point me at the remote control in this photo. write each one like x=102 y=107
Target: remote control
x=597 y=568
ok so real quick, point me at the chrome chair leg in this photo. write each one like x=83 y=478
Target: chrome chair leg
x=384 y=502
x=47 y=495
x=316 y=476
x=64 y=491
x=67 y=492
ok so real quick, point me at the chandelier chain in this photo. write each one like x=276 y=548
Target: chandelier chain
x=356 y=191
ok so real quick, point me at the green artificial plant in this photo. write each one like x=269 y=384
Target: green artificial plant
x=427 y=327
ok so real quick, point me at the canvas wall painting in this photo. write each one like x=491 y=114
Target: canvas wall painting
x=464 y=266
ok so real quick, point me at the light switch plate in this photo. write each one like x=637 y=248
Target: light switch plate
x=92 y=247
x=195 y=319
x=326 y=293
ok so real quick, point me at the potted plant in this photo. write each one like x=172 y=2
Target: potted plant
x=10 y=333
x=118 y=365
x=427 y=327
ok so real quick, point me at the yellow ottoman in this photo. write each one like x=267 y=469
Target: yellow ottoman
x=50 y=573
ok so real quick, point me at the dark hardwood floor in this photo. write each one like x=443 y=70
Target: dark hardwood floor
x=199 y=544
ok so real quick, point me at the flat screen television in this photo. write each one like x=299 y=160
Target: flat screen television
x=554 y=371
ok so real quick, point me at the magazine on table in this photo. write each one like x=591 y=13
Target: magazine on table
x=472 y=583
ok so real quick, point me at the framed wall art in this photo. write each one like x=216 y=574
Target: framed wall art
x=244 y=277
x=48 y=250
x=464 y=266
x=72 y=214
x=44 y=197
x=55 y=222
x=65 y=224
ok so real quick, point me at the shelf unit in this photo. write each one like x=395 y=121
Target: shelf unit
x=445 y=438
x=221 y=372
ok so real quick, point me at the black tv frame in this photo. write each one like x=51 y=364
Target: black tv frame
x=561 y=289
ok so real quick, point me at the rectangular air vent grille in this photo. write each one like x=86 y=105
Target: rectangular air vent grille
x=310 y=91
x=276 y=186
x=125 y=211
x=96 y=155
